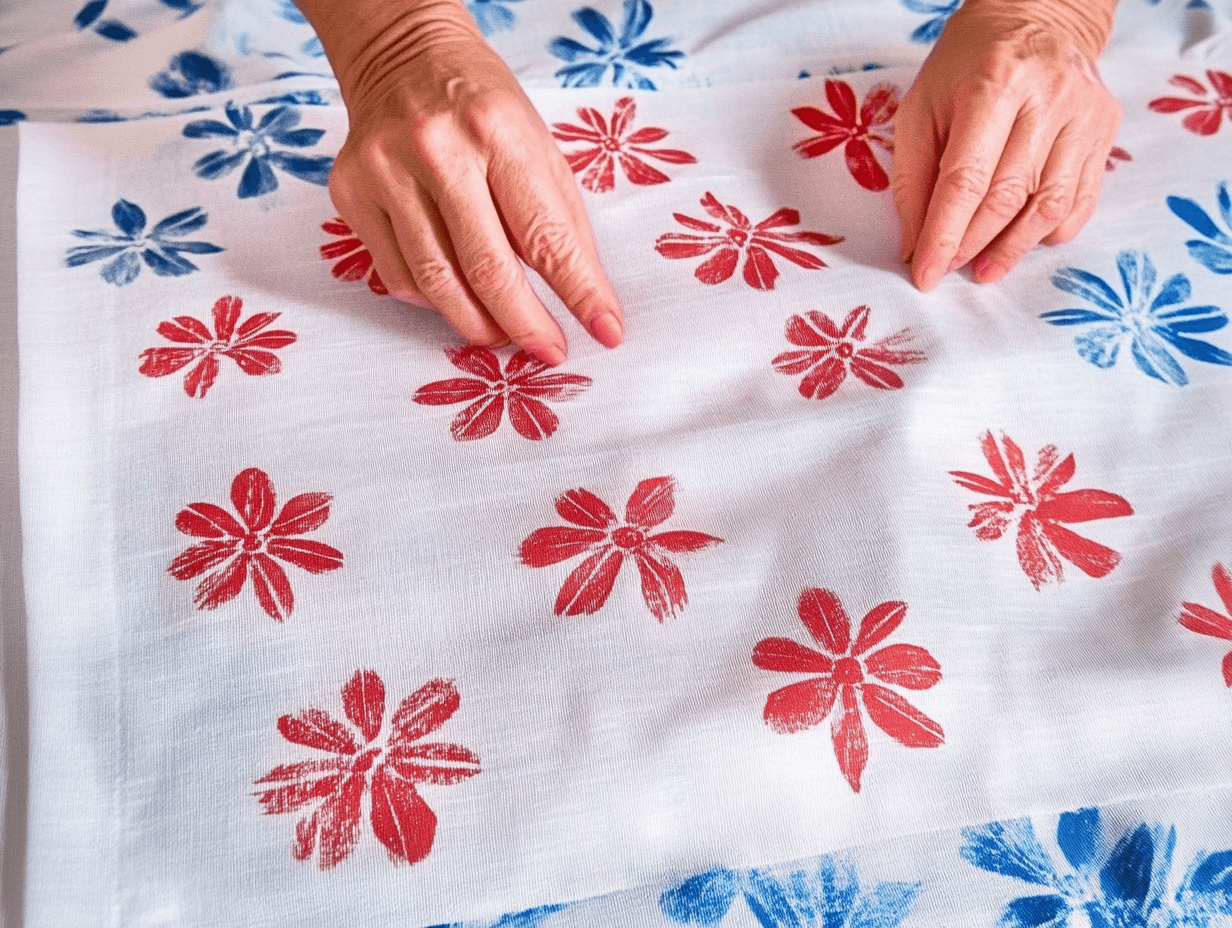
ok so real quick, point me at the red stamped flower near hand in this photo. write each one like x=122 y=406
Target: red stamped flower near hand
x=356 y=261
x=235 y=549
x=855 y=127
x=1039 y=508
x=839 y=680
x=608 y=143
x=388 y=770
x=607 y=542
x=523 y=387
x=1116 y=154
x=831 y=352
x=1204 y=621
x=251 y=346
x=1209 y=112
x=741 y=237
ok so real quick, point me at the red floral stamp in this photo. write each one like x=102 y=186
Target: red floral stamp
x=1208 y=110
x=354 y=261
x=1204 y=621
x=610 y=141
x=870 y=123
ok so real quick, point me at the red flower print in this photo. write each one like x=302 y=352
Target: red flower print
x=1039 y=508
x=523 y=386
x=1206 y=118
x=830 y=352
x=235 y=549
x=754 y=241
x=607 y=143
x=607 y=542
x=251 y=346
x=855 y=127
x=1116 y=154
x=1206 y=621
x=360 y=763
x=840 y=673
x=355 y=261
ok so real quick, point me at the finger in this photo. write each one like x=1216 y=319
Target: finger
x=981 y=127
x=1085 y=200
x=539 y=200
x=371 y=226
x=915 y=170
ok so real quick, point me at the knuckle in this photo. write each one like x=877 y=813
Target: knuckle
x=1007 y=196
x=550 y=245
x=492 y=276
x=965 y=183
x=434 y=277
x=1054 y=204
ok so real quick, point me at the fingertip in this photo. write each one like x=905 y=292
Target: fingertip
x=550 y=354
x=607 y=330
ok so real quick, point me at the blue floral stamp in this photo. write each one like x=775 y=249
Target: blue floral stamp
x=625 y=56
x=492 y=16
x=191 y=73
x=161 y=248
x=1215 y=253
x=939 y=10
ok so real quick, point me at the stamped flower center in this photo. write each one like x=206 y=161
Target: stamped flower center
x=848 y=670
x=610 y=143
x=845 y=350
x=252 y=542
x=626 y=537
x=217 y=347
x=364 y=762
x=738 y=237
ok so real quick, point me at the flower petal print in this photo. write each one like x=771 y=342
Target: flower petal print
x=612 y=141
x=830 y=353
x=841 y=670
x=250 y=345
x=939 y=10
x=1036 y=504
x=360 y=764
x=1116 y=154
x=160 y=248
x=190 y=73
x=853 y=126
x=523 y=387
x=607 y=543
x=254 y=143
x=755 y=242
x=624 y=54
x=1204 y=621
x=1142 y=318
x=354 y=262
x=1208 y=111
x=492 y=16
x=235 y=549
x=528 y=918
x=1215 y=254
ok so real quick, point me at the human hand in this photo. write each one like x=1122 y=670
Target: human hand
x=1001 y=142
x=449 y=177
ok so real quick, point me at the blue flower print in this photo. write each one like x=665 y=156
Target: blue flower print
x=290 y=12
x=531 y=918
x=160 y=248
x=1215 y=254
x=831 y=897
x=90 y=17
x=1139 y=318
x=587 y=67
x=190 y=73
x=255 y=143
x=939 y=10
x=10 y=117
x=1124 y=888
x=492 y=15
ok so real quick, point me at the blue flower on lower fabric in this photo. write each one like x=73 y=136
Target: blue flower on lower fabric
x=492 y=15
x=190 y=73
x=1140 y=319
x=939 y=10
x=531 y=918
x=1127 y=887
x=255 y=144
x=830 y=897
x=1216 y=253
x=587 y=67
x=160 y=248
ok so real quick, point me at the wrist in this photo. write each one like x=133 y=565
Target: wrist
x=1087 y=23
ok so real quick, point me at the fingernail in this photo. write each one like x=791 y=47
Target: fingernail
x=989 y=272
x=607 y=330
x=550 y=355
x=927 y=277
x=954 y=265
x=412 y=299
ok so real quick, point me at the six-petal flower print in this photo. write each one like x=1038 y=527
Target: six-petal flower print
x=254 y=142
x=251 y=345
x=841 y=679
x=625 y=54
x=1208 y=109
x=854 y=128
x=359 y=763
x=161 y=248
x=1206 y=621
x=234 y=549
x=939 y=10
x=741 y=237
x=1039 y=508
x=492 y=16
x=524 y=386
x=608 y=142
x=607 y=543
x=1142 y=318
x=830 y=352
x=353 y=260
x=1214 y=250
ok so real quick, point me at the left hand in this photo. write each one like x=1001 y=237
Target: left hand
x=1002 y=141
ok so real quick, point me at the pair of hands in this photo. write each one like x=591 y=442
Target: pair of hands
x=451 y=178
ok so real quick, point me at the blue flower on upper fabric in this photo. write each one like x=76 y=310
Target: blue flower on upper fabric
x=939 y=10
x=190 y=73
x=831 y=897
x=1139 y=319
x=160 y=248
x=1216 y=254
x=255 y=142
x=588 y=67
x=531 y=918
x=1125 y=888
x=492 y=15
x=9 y=117
x=90 y=17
